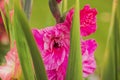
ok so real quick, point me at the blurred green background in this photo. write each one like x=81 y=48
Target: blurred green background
x=42 y=17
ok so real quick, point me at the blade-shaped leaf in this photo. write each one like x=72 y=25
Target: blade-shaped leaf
x=74 y=71
x=4 y=21
x=111 y=64
x=23 y=51
x=36 y=57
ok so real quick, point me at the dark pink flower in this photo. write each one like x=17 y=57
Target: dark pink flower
x=11 y=69
x=87 y=20
x=53 y=45
x=88 y=62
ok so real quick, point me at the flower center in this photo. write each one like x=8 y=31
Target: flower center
x=56 y=44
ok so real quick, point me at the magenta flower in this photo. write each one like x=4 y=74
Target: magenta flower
x=88 y=61
x=53 y=44
x=87 y=20
x=10 y=70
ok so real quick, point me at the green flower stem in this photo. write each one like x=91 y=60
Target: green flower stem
x=28 y=7
x=55 y=10
x=64 y=6
x=74 y=69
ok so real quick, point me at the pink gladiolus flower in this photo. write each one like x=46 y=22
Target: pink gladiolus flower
x=87 y=20
x=88 y=61
x=10 y=70
x=53 y=44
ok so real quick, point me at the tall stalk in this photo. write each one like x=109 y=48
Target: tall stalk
x=64 y=6
x=110 y=65
x=74 y=70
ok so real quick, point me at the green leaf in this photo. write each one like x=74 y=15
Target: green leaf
x=23 y=51
x=111 y=65
x=36 y=57
x=74 y=70
x=4 y=21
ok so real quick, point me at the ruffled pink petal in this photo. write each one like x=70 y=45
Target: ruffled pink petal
x=87 y=20
x=52 y=75
x=9 y=70
x=89 y=45
x=88 y=60
x=59 y=73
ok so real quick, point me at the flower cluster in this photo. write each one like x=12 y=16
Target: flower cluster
x=54 y=44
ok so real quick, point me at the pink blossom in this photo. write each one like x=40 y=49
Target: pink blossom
x=87 y=20
x=10 y=70
x=58 y=1
x=53 y=44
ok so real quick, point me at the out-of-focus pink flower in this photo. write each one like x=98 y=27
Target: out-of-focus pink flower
x=87 y=20
x=2 y=5
x=58 y=1
x=10 y=70
x=53 y=44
